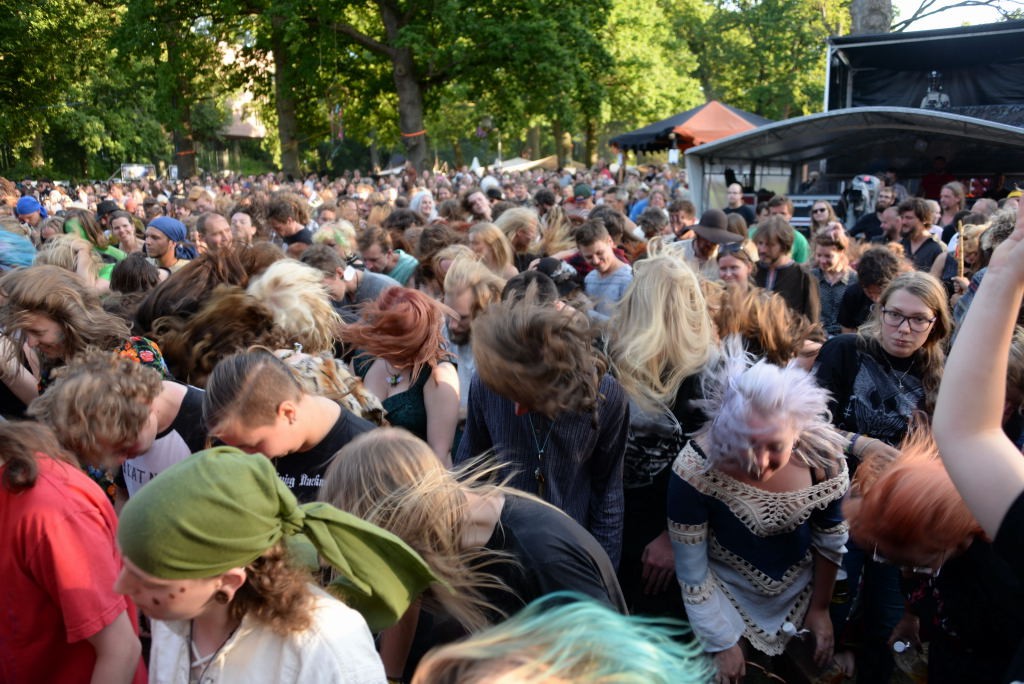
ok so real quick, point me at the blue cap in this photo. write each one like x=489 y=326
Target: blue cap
x=28 y=205
x=171 y=227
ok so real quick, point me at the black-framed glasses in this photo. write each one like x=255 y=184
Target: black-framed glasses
x=916 y=569
x=916 y=323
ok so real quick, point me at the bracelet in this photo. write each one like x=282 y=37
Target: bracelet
x=852 y=446
x=864 y=447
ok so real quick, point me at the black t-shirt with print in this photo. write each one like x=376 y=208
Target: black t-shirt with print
x=303 y=472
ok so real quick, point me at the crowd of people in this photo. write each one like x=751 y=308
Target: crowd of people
x=543 y=426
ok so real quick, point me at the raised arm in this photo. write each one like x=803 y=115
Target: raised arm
x=983 y=463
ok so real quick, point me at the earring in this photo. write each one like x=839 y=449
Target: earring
x=221 y=597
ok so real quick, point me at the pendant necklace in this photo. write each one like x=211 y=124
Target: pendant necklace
x=538 y=472
x=903 y=376
x=394 y=377
x=206 y=661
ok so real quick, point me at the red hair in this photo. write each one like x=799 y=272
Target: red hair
x=403 y=327
x=910 y=502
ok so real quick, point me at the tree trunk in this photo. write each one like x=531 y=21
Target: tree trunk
x=460 y=158
x=533 y=143
x=374 y=152
x=557 y=134
x=870 y=16
x=184 y=146
x=590 y=155
x=37 y=159
x=410 y=108
x=287 y=124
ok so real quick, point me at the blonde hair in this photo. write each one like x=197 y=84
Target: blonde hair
x=661 y=331
x=557 y=235
x=63 y=251
x=497 y=243
x=515 y=219
x=98 y=404
x=338 y=234
x=302 y=309
x=469 y=274
x=394 y=480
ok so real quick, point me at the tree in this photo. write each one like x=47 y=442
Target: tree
x=37 y=68
x=1008 y=9
x=108 y=120
x=650 y=75
x=176 y=38
x=870 y=16
x=525 y=55
x=765 y=56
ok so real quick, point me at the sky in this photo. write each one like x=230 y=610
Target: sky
x=959 y=16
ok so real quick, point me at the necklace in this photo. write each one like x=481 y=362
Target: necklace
x=900 y=378
x=394 y=377
x=205 y=661
x=538 y=472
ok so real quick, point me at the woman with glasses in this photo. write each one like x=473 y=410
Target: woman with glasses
x=879 y=378
x=889 y=370
x=823 y=216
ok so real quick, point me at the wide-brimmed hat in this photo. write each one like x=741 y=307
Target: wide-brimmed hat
x=714 y=227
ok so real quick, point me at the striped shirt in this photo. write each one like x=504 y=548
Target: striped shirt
x=581 y=465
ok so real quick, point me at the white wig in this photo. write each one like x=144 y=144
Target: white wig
x=295 y=294
x=735 y=388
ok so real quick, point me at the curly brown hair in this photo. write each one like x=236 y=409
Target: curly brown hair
x=99 y=402
x=185 y=290
x=276 y=593
x=230 y=321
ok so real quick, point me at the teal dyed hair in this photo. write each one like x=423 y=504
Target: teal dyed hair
x=567 y=637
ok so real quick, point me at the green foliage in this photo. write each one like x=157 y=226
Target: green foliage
x=144 y=70
x=765 y=56
x=651 y=73
x=36 y=65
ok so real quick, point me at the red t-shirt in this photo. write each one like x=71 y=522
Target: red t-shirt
x=57 y=576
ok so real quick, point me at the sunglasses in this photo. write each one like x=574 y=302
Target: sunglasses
x=730 y=248
x=819 y=210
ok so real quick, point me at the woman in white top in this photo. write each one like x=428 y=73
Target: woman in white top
x=205 y=557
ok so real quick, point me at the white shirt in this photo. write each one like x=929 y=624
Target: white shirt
x=336 y=648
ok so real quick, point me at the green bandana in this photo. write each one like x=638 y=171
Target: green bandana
x=222 y=508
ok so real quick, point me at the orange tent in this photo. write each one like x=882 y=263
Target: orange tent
x=703 y=124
